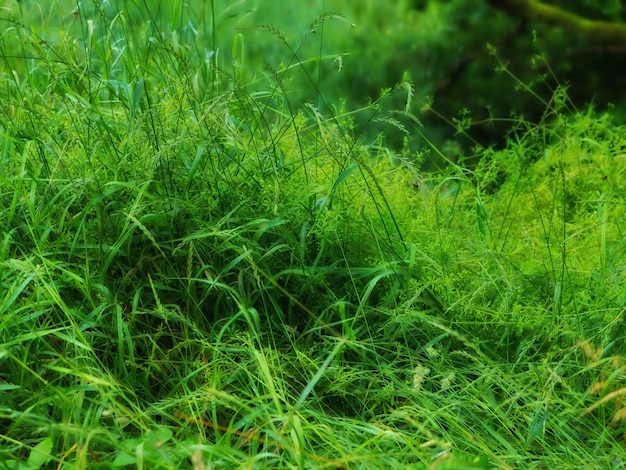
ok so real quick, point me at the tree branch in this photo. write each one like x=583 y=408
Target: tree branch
x=601 y=31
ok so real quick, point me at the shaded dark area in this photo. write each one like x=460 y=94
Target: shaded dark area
x=494 y=66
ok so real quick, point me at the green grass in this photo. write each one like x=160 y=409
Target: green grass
x=195 y=274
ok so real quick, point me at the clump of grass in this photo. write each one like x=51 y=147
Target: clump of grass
x=196 y=274
x=609 y=371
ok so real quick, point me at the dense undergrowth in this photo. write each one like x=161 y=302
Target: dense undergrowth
x=195 y=275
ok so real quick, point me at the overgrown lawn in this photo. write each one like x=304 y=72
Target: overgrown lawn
x=196 y=274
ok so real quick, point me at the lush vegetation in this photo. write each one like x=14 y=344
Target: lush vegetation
x=209 y=261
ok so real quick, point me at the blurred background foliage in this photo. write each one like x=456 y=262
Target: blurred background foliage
x=341 y=57
x=442 y=48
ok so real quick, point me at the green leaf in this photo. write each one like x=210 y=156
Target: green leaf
x=40 y=455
